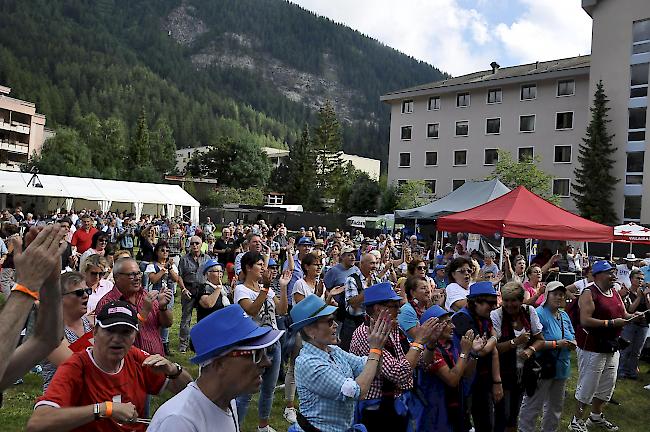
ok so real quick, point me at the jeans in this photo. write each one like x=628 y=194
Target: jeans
x=269 y=380
x=549 y=396
x=164 y=332
x=629 y=360
x=186 y=320
x=482 y=405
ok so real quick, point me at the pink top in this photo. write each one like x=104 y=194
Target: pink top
x=532 y=291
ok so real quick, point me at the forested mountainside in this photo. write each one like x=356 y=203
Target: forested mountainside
x=254 y=70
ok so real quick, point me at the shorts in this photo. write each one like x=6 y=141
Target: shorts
x=596 y=375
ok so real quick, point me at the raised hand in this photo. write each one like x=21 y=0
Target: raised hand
x=149 y=297
x=426 y=332
x=466 y=341
x=41 y=258
x=478 y=343
x=159 y=364
x=379 y=330
x=164 y=297
x=285 y=278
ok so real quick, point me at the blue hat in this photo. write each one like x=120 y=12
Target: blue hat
x=434 y=311
x=481 y=288
x=601 y=266
x=379 y=293
x=226 y=329
x=440 y=267
x=305 y=241
x=309 y=310
x=209 y=264
x=272 y=262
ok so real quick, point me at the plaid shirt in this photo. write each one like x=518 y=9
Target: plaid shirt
x=394 y=368
x=319 y=378
x=351 y=290
x=175 y=242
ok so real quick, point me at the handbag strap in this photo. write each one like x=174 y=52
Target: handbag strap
x=304 y=423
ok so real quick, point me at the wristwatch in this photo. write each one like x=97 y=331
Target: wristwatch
x=463 y=355
x=96 y=411
x=179 y=370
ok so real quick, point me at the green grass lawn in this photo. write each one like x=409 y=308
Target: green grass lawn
x=18 y=401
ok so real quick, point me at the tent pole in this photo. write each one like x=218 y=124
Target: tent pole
x=436 y=243
x=587 y=249
x=630 y=247
x=415 y=227
x=611 y=251
x=501 y=254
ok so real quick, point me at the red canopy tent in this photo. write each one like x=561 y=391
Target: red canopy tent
x=522 y=214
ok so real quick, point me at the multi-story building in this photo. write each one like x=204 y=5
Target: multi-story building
x=449 y=131
x=278 y=156
x=22 y=131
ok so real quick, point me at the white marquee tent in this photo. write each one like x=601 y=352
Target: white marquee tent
x=105 y=193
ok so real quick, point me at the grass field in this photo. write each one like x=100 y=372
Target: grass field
x=18 y=401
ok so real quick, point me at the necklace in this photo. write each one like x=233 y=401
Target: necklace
x=609 y=291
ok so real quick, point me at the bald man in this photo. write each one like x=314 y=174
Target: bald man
x=189 y=270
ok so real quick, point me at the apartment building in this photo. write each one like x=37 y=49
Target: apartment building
x=22 y=131
x=448 y=132
x=620 y=57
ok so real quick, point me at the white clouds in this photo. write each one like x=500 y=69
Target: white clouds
x=549 y=29
x=459 y=39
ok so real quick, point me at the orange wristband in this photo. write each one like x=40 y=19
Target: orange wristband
x=23 y=289
x=417 y=345
x=140 y=318
x=375 y=351
x=109 y=409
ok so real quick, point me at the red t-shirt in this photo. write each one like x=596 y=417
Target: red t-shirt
x=82 y=239
x=80 y=382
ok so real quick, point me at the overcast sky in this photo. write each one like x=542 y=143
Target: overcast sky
x=463 y=36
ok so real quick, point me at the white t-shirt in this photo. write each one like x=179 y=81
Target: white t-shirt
x=266 y=316
x=166 y=281
x=454 y=292
x=102 y=289
x=191 y=411
x=301 y=287
x=581 y=285
x=623 y=274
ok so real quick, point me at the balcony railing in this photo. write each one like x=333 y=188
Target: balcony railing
x=14 y=146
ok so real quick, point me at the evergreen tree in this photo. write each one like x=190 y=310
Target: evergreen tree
x=594 y=183
x=64 y=154
x=328 y=143
x=139 y=151
x=163 y=147
x=301 y=166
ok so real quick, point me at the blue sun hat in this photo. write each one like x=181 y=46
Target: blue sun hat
x=310 y=309
x=434 y=311
x=379 y=293
x=226 y=329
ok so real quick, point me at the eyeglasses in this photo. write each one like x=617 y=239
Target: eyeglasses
x=102 y=241
x=163 y=250
x=421 y=267
x=98 y=273
x=195 y=243
x=215 y=271
x=258 y=354
x=80 y=292
x=464 y=270
x=133 y=275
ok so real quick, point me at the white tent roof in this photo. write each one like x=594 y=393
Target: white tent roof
x=91 y=189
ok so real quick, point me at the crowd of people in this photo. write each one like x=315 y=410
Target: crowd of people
x=371 y=333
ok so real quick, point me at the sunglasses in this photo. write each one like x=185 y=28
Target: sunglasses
x=98 y=273
x=163 y=250
x=257 y=355
x=133 y=275
x=80 y=292
x=102 y=241
x=421 y=267
x=195 y=243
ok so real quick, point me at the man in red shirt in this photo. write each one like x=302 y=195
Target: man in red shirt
x=151 y=306
x=104 y=387
x=83 y=237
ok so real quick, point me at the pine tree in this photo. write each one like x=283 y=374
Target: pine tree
x=328 y=143
x=139 y=151
x=301 y=187
x=594 y=183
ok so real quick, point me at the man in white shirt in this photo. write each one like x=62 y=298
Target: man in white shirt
x=231 y=352
x=623 y=270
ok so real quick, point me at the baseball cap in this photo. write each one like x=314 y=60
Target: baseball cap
x=209 y=264
x=305 y=241
x=552 y=286
x=601 y=266
x=272 y=262
x=118 y=312
x=348 y=249
x=440 y=267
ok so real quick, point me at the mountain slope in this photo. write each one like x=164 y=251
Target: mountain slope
x=251 y=69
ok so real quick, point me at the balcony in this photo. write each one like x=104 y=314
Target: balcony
x=14 y=147
x=14 y=126
x=10 y=166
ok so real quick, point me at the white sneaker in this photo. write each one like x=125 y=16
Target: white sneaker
x=290 y=415
x=601 y=423
x=577 y=425
x=266 y=428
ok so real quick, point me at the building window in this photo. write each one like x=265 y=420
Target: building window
x=433 y=130
x=460 y=157
x=401 y=183
x=566 y=87
x=633 y=179
x=493 y=126
x=431 y=186
x=561 y=187
x=455 y=184
x=632 y=209
x=434 y=103
x=525 y=154
x=562 y=154
x=406 y=132
x=635 y=162
x=491 y=157
x=431 y=158
x=639 y=80
x=637 y=118
x=528 y=91
x=494 y=96
x=641 y=37
x=564 y=120
x=462 y=128
x=462 y=99
x=273 y=199
x=527 y=123
x=407 y=107
x=404 y=160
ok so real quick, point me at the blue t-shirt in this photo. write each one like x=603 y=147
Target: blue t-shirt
x=338 y=274
x=407 y=319
x=646 y=272
x=552 y=330
x=297 y=274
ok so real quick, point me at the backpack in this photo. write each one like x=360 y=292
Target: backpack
x=342 y=310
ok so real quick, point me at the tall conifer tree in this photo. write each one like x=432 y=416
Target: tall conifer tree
x=594 y=183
